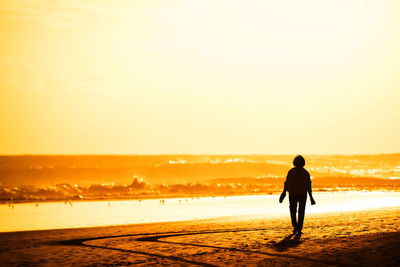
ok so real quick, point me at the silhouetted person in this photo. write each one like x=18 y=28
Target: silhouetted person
x=298 y=184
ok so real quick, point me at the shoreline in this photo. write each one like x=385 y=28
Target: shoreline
x=216 y=219
x=6 y=202
x=59 y=215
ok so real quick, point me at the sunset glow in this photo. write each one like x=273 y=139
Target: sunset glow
x=203 y=77
x=199 y=133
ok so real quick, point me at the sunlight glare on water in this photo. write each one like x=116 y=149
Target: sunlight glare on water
x=59 y=215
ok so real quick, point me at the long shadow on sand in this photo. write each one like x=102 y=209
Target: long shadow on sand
x=289 y=241
x=156 y=237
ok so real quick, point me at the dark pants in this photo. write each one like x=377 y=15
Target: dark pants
x=299 y=199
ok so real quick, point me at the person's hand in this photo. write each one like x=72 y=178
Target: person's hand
x=282 y=197
x=312 y=201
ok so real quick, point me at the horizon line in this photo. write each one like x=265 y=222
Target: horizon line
x=197 y=154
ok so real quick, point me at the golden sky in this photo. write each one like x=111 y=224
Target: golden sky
x=199 y=76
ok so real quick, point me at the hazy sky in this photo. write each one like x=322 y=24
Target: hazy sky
x=132 y=77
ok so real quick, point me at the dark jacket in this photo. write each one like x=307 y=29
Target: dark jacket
x=298 y=181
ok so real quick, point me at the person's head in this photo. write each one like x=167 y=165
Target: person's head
x=299 y=161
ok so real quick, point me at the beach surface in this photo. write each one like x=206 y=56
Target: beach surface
x=363 y=238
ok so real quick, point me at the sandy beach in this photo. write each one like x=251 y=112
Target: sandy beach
x=365 y=238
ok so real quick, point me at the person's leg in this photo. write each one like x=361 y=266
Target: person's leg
x=293 y=209
x=302 y=208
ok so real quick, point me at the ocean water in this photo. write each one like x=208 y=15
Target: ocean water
x=60 y=215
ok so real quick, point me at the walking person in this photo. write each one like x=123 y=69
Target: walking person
x=298 y=184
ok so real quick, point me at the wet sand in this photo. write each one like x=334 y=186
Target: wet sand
x=365 y=238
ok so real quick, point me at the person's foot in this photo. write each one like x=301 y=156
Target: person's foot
x=299 y=232
x=295 y=230
x=297 y=236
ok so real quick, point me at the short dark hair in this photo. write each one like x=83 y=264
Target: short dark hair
x=299 y=161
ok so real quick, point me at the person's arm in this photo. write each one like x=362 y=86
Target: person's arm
x=284 y=188
x=309 y=190
x=283 y=195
